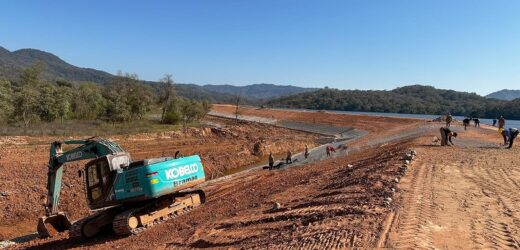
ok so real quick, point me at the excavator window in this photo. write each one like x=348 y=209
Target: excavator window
x=98 y=175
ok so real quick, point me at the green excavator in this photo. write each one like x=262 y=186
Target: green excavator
x=124 y=195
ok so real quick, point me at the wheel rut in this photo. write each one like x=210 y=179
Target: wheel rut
x=459 y=198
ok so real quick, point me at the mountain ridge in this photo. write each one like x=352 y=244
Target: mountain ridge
x=12 y=63
x=505 y=94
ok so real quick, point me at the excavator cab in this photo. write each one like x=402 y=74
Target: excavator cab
x=100 y=175
x=98 y=180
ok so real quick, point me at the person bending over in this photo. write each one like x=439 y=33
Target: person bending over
x=446 y=135
x=510 y=136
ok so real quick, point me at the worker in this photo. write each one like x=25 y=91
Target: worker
x=446 y=135
x=465 y=122
x=271 y=160
x=306 y=152
x=449 y=119
x=477 y=122
x=494 y=122
x=327 y=148
x=510 y=136
x=501 y=124
x=289 y=157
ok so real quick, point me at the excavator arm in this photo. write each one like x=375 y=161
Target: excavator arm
x=87 y=149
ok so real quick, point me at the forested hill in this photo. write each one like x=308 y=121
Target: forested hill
x=415 y=99
x=55 y=69
x=505 y=94
x=258 y=91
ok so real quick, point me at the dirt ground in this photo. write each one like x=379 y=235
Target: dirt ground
x=463 y=197
x=23 y=164
x=460 y=197
x=322 y=206
x=376 y=126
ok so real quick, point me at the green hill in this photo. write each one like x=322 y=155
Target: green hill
x=415 y=99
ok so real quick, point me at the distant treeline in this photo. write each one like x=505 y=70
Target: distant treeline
x=124 y=99
x=415 y=99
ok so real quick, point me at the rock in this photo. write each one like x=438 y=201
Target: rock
x=350 y=166
x=396 y=180
x=409 y=157
x=388 y=201
x=407 y=162
x=6 y=243
x=393 y=190
x=4 y=193
x=413 y=152
x=276 y=206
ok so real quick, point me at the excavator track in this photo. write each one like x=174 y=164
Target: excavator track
x=136 y=220
x=90 y=226
x=76 y=230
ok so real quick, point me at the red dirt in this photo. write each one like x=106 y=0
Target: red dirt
x=377 y=126
x=323 y=205
x=451 y=197
x=23 y=164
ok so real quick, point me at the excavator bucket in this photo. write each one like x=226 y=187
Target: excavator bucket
x=49 y=226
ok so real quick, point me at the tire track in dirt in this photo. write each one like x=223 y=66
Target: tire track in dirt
x=460 y=197
x=413 y=233
x=502 y=189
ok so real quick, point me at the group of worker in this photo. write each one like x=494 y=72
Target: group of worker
x=467 y=120
x=509 y=135
x=289 y=158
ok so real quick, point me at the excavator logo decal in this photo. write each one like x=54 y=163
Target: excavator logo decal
x=74 y=156
x=181 y=171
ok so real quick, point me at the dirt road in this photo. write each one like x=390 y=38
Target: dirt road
x=463 y=197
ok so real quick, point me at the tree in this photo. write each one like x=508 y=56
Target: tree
x=6 y=100
x=31 y=75
x=63 y=104
x=173 y=113
x=116 y=108
x=185 y=110
x=138 y=97
x=87 y=102
x=166 y=94
x=47 y=102
x=27 y=97
x=26 y=105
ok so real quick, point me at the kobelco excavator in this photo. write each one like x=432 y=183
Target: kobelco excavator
x=128 y=196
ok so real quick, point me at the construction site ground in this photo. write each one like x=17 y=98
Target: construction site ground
x=459 y=197
x=23 y=164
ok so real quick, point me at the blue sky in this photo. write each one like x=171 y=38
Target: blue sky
x=463 y=45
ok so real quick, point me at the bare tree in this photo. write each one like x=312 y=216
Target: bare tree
x=167 y=93
x=237 y=106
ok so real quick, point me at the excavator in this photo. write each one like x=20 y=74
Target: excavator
x=124 y=195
